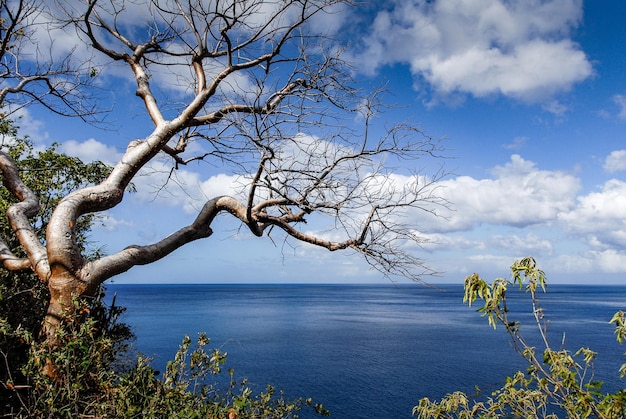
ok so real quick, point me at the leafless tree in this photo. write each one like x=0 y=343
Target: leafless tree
x=266 y=92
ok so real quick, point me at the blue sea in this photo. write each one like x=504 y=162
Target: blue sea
x=367 y=351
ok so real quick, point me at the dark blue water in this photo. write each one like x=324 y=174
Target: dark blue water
x=365 y=351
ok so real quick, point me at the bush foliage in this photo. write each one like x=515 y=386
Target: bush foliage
x=89 y=379
x=92 y=377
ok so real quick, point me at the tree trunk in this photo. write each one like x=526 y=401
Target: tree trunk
x=64 y=289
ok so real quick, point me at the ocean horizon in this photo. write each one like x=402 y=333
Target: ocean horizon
x=365 y=350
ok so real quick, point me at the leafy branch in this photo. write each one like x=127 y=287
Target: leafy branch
x=557 y=383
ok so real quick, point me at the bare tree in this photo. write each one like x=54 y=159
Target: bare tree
x=266 y=93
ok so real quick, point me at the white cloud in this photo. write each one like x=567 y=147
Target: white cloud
x=519 y=49
x=517 y=144
x=620 y=101
x=574 y=264
x=222 y=184
x=158 y=184
x=610 y=261
x=91 y=150
x=616 y=161
x=519 y=194
x=599 y=216
x=530 y=244
x=556 y=108
x=437 y=241
x=28 y=126
x=110 y=223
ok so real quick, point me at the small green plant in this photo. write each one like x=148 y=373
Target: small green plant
x=73 y=377
x=187 y=391
x=557 y=383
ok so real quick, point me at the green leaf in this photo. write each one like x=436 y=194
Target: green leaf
x=619 y=319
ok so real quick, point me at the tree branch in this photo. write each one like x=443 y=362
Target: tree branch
x=10 y=261
x=270 y=105
x=101 y=269
x=19 y=214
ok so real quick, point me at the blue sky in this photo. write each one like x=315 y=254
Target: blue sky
x=530 y=96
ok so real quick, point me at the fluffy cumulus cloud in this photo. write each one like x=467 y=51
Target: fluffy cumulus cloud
x=523 y=210
x=599 y=216
x=91 y=150
x=110 y=223
x=530 y=244
x=610 y=261
x=185 y=189
x=223 y=184
x=27 y=125
x=518 y=194
x=616 y=161
x=519 y=48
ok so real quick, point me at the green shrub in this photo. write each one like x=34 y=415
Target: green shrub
x=88 y=373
